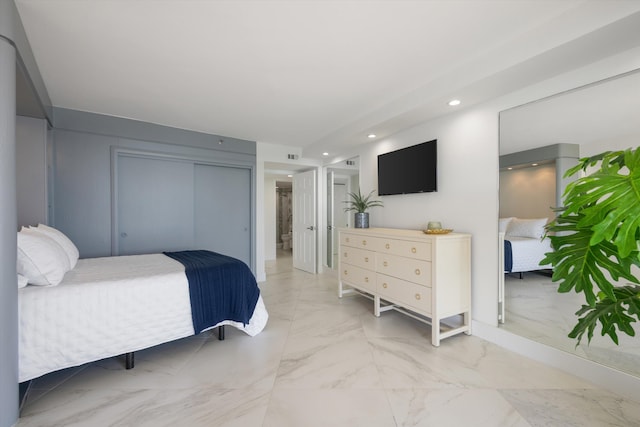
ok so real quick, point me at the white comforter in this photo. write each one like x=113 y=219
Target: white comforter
x=527 y=253
x=106 y=307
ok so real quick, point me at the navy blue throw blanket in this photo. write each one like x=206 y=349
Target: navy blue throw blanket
x=220 y=288
x=508 y=256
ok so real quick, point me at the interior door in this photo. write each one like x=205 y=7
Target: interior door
x=155 y=213
x=223 y=210
x=304 y=221
x=330 y=226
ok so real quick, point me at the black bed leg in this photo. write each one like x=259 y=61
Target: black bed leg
x=221 y=332
x=521 y=275
x=129 y=362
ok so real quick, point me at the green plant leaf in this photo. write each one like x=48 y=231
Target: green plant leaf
x=579 y=265
x=619 y=313
x=360 y=203
x=596 y=242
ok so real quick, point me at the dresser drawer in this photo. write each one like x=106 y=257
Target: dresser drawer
x=404 y=293
x=413 y=270
x=358 y=257
x=418 y=250
x=358 y=277
x=362 y=242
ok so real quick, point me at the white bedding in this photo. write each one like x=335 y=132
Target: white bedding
x=528 y=252
x=105 y=307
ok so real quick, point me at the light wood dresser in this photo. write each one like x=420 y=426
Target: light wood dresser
x=426 y=276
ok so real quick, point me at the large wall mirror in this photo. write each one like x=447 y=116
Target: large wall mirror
x=588 y=120
x=341 y=179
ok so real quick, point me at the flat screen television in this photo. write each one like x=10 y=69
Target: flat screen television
x=409 y=170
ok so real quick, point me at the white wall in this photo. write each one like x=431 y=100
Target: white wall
x=467 y=197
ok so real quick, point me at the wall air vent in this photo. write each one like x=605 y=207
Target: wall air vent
x=292 y=156
x=351 y=162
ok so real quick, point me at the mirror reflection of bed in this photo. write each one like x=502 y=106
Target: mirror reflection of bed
x=538 y=142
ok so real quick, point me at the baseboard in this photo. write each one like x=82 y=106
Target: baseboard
x=603 y=376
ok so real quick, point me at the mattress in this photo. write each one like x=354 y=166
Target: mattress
x=527 y=253
x=105 y=307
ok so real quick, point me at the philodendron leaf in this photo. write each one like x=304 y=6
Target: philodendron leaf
x=579 y=265
x=609 y=200
x=596 y=242
x=618 y=313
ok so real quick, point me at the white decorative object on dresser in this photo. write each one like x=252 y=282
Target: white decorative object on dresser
x=426 y=276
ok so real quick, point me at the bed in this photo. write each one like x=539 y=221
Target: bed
x=524 y=244
x=105 y=307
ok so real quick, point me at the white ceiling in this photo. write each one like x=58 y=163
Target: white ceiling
x=314 y=74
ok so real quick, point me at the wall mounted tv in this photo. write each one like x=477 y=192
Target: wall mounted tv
x=408 y=170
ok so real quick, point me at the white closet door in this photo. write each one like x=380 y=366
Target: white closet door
x=223 y=210
x=155 y=205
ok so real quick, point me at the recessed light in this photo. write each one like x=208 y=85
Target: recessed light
x=534 y=164
x=371 y=135
x=454 y=102
x=325 y=154
x=289 y=176
x=510 y=169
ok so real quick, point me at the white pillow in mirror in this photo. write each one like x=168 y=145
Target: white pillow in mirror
x=60 y=238
x=40 y=259
x=533 y=228
x=503 y=223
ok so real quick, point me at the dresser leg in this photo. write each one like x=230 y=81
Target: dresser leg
x=376 y=306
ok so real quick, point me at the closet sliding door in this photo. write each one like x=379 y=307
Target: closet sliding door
x=223 y=210
x=155 y=205
x=170 y=204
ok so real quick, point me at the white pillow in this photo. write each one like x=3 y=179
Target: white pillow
x=503 y=223
x=22 y=281
x=60 y=238
x=533 y=228
x=40 y=259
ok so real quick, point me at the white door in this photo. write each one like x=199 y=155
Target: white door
x=304 y=221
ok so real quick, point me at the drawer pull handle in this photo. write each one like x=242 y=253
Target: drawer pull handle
x=366 y=259
x=418 y=296
x=346 y=254
x=387 y=246
x=385 y=263
x=414 y=250
x=347 y=240
x=384 y=285
x=366 y=279
x=345 y=272
x=417 y=271
x=364 y=243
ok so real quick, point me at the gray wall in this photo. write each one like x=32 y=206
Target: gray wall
x=8 y=282
x=83 y=147
x=31 y=170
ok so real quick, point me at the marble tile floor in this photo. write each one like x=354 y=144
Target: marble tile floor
x=535 y=310
x=323 y=361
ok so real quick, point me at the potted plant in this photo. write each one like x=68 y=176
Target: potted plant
x=360 y=204
x=596 y=243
